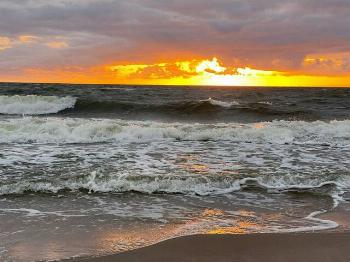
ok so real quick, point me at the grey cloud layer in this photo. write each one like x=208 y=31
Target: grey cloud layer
x=273 y=33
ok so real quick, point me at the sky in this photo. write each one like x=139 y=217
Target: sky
x=176 y=42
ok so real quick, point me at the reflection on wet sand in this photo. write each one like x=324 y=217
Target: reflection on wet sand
x=242 y=227
x=217 y=221
x=97 y=242
x=49 y=250
x=122 y=240
x=106 y=234
x=245 y=224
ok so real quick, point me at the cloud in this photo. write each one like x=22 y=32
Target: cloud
x=57 y=44
x=335 y=64
x=5 y=43
x=272 y=34
x=28 y=38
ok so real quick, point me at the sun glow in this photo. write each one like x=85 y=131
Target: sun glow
x=195 y=72
x=210 y=66
x=211 y=72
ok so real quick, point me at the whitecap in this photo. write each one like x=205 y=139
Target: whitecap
x=75 y=130
x=221 y=103
x=34 y=105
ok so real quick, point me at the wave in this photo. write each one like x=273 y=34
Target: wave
x=210 y=109
x=77 y=130
x=176 y=184
x=39 y=105
x=265 y=103
x=193 y=107
x=34 y=105
x=220 y=103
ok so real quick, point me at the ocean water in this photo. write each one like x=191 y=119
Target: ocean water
x=87 y=170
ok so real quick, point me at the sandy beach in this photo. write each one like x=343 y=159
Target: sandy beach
x=307 y=247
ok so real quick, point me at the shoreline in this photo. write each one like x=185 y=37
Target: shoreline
x=271 y=247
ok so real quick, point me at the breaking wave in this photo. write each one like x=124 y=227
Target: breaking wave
x=77 y=130
x=192 y=107
x=195 y=110
x=201 y=109
x=34 y=105
x=221 y=103
x=177 y=184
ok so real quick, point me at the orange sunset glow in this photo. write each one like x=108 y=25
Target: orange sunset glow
x=209 y=72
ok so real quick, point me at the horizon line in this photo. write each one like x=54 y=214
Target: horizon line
x=170 y=85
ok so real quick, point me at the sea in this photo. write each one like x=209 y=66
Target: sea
x=89 y=170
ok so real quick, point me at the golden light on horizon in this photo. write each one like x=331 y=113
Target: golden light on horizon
x=210 y=66
x=196 y=72
x=211 y=72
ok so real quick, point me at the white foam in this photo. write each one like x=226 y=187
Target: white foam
x=285 y=183
x=34 y=105
x=265 y=103
x=172 y=184
x=321 y=224
x=126 y=183
x=221 y=103
x=70 y=130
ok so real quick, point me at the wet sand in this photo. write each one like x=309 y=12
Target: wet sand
x=307 y=247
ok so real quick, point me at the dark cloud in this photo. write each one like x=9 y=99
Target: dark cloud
x=265 y=34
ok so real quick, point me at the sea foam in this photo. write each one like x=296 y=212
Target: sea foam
x=220 y=103
x=173 y=184
x=76 y=130
x=34 y=105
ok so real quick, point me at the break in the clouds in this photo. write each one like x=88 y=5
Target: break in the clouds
x=299 y=36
